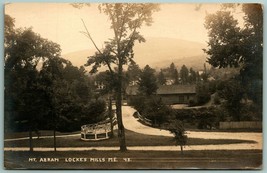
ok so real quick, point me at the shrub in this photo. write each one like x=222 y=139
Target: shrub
x=157 y=111
x=251 y=112
x=217 y=99
x=202 y=117
x=153 y=109
x=191 y=103
x=176 y=127
x=65 y=125
x=207 y=120
x=203 y=93
x=212 y=86
x=186 y=115
x=203 y=98
x=138 y=102
x=94 y=112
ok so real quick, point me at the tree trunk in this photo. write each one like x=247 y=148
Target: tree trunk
x=121 y=133
x=182 y=151
x=55 y=142
x=30 y=135
x=110 y=116
x=54 y=132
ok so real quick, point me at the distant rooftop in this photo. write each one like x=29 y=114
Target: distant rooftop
x=166 y=89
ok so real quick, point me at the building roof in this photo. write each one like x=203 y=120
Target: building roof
x=166 y=89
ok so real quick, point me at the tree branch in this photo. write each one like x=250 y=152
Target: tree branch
x=132 y=35
x=114 y=29
x=89 y=36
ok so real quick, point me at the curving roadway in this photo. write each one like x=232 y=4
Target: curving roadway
x=133 y=124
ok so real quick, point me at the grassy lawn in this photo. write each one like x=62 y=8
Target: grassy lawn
x=227 y=130
x=244 y=159
x=132 y=139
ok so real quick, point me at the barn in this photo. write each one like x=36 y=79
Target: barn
x=169 y=94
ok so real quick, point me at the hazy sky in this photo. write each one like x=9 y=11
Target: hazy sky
x=61 y=23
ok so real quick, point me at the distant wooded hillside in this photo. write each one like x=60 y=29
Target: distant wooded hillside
x=157 y=52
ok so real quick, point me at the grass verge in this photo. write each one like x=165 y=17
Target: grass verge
x=132 y=139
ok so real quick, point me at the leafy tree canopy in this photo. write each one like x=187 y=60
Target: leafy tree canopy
x=126 y=19
x=161 y=78
x=232 y=44
x=148 y=81
x=184 y=74
x=39 y=84
x=235 y=45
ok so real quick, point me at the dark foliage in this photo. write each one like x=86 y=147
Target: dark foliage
x=202 y=93
x=147 y=83
x=176 y=127
x=153 y=109
x=233 y=45
x=203 y=118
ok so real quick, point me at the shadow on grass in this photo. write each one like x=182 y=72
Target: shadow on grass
x=132 y=139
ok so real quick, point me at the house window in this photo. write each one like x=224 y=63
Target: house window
x=181 y=99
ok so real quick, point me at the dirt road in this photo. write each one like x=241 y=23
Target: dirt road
x=132 y=124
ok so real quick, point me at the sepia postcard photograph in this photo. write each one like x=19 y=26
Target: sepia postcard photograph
x=133 y=86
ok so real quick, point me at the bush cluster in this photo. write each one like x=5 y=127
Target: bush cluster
x=93 y=112
x=203 y=118
x=153 y=109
